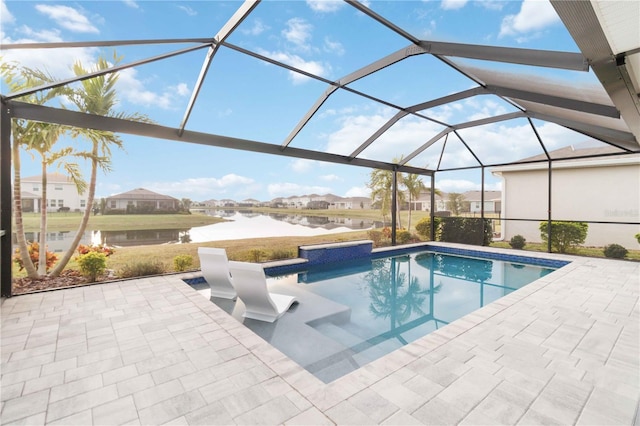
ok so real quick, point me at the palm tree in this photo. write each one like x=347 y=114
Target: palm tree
x=455 y=202
x=381 y=185
x=42 y=140
x=96 y=96
x=415 y=186
x=29 y=135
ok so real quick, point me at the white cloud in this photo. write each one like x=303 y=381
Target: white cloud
x=358 y=191
x=313 y=67
x=68 y=17
x=401 y=139
x=5 y=16
x=182 y=89
x=534 y=15
x=57 y=62
x=354 y=130
x=331 y=178
x=325 y=6
x=298 y=32
x=492 y=4
x=456 y=185
x=131 y=3
x=286 y=189
x=257 y=28
x=301 y=165
x=131 y=88
x=334 y=47
x=202 y=188
x=186 y=9
x=453 y=4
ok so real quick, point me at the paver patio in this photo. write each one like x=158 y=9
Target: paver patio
x=562 y=350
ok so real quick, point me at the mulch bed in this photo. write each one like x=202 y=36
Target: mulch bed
x=67 y=278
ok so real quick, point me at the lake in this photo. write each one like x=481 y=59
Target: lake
x=240 y=225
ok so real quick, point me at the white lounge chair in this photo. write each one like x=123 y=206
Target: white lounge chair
x=215 y=269
x=251 y=285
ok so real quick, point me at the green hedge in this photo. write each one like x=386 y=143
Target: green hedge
x=466 y=230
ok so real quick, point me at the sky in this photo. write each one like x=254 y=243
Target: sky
x=243 y=97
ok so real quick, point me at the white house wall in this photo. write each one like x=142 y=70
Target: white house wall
x=56 y=191
x=609 y=194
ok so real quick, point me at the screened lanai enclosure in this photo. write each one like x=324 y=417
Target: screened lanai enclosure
x=364 y=85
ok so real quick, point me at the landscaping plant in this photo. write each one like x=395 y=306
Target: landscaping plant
x=141 y=269
x=33 y=250
x=517 y=242
x=423 y=227
x=565 y=236
x=182 y=262
x=92 y=264
x=615 y=251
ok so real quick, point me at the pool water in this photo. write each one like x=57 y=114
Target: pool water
x=352 y=313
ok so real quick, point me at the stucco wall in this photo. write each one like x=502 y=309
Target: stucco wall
x=604 y=193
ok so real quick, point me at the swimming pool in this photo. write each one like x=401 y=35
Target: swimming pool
x=351 y=313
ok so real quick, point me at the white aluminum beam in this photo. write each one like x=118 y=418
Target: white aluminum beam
x=541 y=58
x=48 y=86
x=379 y=132
x=583 y=24
x=430 y=142
x=489 y=120
x=448 y=99
x=562 y=102
x=243 y=11
x=89 y=121
x=413 y=109
x=371 y=14
x=356 y=75
x=104 y=43
x=623 y=140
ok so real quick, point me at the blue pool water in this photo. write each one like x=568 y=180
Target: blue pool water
x=352 y=313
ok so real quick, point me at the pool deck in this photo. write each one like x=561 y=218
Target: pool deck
x=562 y=350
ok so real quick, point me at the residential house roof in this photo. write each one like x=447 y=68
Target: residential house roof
x=54 y=177
x=141 y=194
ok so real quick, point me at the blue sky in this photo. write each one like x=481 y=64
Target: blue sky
x=245 y=98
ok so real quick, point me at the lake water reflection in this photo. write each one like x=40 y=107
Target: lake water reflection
x=240 y=225
x=258 y=225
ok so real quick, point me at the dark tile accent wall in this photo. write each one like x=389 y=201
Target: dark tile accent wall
x=318 y=255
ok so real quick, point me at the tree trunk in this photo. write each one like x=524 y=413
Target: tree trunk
x=85 y=217
x=409 y=220
x=17 y=206
x=42 y=254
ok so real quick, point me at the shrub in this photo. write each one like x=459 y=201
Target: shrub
x=142 y=269
x=403 y=236
x=517 y=242
x=637 y=237
x=423 y=227
x=182 y=262
x=375 y=236
x=386 y=232
x=92 y=264
x=107 y=251
x=565 y=236
x=615 y=251
x=34 y=255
